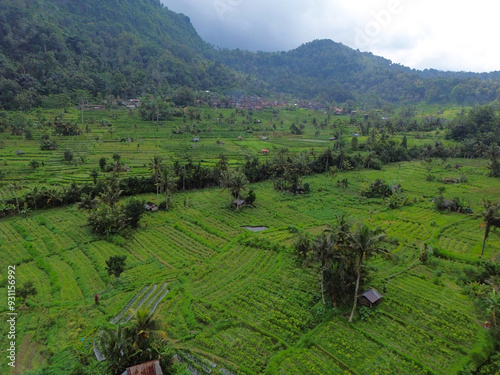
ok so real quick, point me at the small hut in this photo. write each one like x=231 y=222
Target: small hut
x=369 y=298
x=151 y=207
x=264 y=138
x=148 y=368
x=196 y=140
x=240 y=138
x=238 y=203
x=265 y=151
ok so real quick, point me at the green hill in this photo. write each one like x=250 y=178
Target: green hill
x=124 y=48
x=329 y=71
x=134 y=48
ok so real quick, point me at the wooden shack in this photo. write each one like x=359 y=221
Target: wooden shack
x=369 y=298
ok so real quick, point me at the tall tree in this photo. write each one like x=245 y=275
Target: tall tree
x=111 y=194
x=167 y=183
x=114 y=344
x=364 y=242
x=156 y=165
x=491 y=217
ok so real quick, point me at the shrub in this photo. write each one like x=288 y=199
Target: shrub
x=378 y=189
x=133 y=211
x=115 y=265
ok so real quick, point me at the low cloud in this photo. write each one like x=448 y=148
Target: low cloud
x=421 y=34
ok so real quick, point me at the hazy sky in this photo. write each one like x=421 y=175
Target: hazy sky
x=440 y=34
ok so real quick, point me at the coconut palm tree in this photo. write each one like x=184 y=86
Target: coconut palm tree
x=324 y=252
x=156 y=165
x=493 y=305
x=166 y=183
x=87 y=202
x=364 y=243
x=491 y=217
x=114 y=345
x=16 y=187
x=145 y=329
x=94 y=174
x=238 y=183
x=110 y=195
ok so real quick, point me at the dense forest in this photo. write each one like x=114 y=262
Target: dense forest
x=328 y=71
x=52 y=51
x=120 y=48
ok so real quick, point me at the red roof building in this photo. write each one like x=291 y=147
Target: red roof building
x=148 y=368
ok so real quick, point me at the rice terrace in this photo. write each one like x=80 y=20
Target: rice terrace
x=171 y=207
x=234 y=293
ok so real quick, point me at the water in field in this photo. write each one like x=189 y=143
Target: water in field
x=256 y=229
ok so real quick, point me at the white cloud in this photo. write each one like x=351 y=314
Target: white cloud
x=422 y=34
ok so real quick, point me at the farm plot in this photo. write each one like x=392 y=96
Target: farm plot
x=147 y=297
x=304 y=361
x=248 y=348
x=360 y=354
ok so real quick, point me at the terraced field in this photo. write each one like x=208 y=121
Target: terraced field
x=238 y=302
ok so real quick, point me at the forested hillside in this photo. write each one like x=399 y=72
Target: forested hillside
x=123 y=48
x=329 y=71
x=51 y=50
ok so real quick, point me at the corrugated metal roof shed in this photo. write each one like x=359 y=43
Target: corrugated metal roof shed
x=371 y=295
x=148 y=368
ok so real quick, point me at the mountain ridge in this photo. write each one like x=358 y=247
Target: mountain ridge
x=134 y=48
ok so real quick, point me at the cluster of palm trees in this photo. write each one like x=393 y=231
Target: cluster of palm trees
x=163 y=178
x=340 y=252
x=143 y=340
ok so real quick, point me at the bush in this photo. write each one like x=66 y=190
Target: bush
x=133 y=211
x=115 y=265
x=378 y=189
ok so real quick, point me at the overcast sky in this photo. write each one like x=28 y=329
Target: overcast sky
x=440 y=34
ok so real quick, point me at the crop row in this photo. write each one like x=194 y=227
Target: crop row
x=87 y=277
x=274 y=314
x=248 y=348
x=304 y=361
x=361 y=353
x=414 y=341
x=233 y=272
x=70 y=291
x=430 y=296
x=458 y=334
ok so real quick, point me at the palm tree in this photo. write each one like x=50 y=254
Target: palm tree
x=238 y=183
x=110 y=195
x=146 y=329
x=114 y=345
x=364 y=243
x=324 y=251
x=94 y=174
x=118 y=166
x=155 y=165
x=493 y=303
x=337 y=263
x=87 y=202
x=491 y=217
x=15 y=187
x=167 y=183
